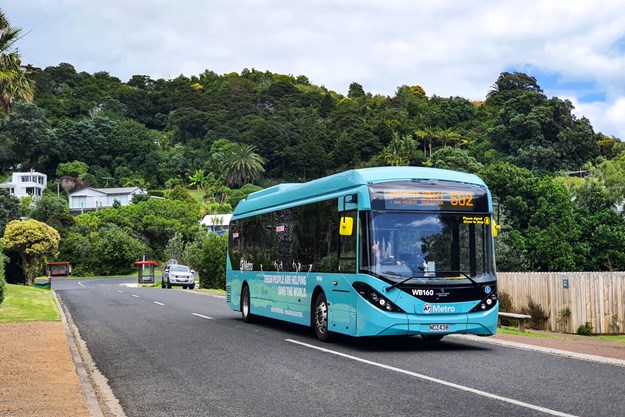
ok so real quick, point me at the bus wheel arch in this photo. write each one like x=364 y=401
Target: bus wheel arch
x=319 y=317
x=246 y=314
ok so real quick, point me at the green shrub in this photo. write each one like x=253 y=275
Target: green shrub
x=505 y=304
x=505 y=301
x=113 y=252
x=585 y=329
x=538 y=314
x=210 y=260
x=563 y=317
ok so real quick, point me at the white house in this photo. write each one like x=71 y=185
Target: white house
x=217 y=223
x=90 y=199
x=23 y=184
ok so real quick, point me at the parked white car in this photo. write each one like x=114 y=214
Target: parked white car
x=175 y=274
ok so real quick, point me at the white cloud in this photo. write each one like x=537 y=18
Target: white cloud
x=606 y=117
x=449 y=47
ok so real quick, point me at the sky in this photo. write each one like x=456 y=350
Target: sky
x=574 y=48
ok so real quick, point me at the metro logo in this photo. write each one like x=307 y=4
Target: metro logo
x=443 y=309
x=428 y=308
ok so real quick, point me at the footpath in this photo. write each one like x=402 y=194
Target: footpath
x=43 y=375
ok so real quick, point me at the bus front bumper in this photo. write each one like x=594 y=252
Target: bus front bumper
x=372 y=321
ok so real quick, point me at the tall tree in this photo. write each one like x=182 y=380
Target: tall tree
x=243 y=165
x=34 y=241
x=9 y=208
x=14 y=82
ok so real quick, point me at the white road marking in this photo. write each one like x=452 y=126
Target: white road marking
x=119 y=291
x=204 y=317
x=134 y=295
x=156 y=302
x=437 y=381
x=80 y=283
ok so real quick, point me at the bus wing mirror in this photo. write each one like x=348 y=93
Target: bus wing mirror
x=347 y=226
x=496 y=228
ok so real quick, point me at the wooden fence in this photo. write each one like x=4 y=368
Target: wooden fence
x=594 y=297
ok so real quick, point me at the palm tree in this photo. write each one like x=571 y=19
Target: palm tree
x=243 y=165
x=14 y=83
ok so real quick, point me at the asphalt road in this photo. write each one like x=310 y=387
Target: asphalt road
x=179 y=353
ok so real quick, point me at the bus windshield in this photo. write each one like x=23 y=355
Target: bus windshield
x=431 y=247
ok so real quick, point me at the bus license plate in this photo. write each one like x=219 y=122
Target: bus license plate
x=439 y=327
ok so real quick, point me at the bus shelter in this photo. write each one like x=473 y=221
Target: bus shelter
x=145 y=271
x=59 y=269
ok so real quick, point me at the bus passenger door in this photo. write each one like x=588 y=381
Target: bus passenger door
x=343 y=311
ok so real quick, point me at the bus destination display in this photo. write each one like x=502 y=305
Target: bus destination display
x=429 y=196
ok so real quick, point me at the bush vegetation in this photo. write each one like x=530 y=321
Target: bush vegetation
x=2 y=279
x=224 y=136
x=585 y=329
x=538 y=314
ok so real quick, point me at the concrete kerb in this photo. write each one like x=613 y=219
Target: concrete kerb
x=552 y=351
x=94 y=385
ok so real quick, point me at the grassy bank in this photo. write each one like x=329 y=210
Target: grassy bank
x=28 y=304
x=550 y=335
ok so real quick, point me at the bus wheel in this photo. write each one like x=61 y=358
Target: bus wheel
x=432 y=337
x=245 y=304
x=320 y=318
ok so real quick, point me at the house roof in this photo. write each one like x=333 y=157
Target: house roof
x=110 y=191
x=124 y=190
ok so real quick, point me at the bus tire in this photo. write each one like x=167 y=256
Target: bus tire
x=432 y=337
x=245 y=304
x=320 y=318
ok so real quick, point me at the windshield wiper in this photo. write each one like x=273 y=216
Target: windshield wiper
x=390 y=287
x=443 y=274
x=462 y=273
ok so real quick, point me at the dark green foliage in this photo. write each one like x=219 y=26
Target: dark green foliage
x=538 y=314
x=455 y=159
x=113 y=252
x=2 y=279
x=505 y=305
x=208 y=256
x=9 y=209
x=180 y=193
x=505 y=301
x=152 y=222
x=52 y=210
x=585 y=329
x=241 y=193
x=34 y=142
x=264 y=128
x=138 y=198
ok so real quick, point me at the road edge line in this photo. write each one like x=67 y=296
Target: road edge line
x=92 y=381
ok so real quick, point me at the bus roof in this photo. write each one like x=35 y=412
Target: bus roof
x=293 y=192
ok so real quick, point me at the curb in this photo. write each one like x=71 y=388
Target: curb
x=552 y=351
x=78 y=350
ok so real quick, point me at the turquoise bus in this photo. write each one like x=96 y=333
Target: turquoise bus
x=368 y=252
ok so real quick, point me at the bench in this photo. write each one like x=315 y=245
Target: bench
x=516 y=316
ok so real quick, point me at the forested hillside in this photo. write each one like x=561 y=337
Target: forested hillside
x=557 y=181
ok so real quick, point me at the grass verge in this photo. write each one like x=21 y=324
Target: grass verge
x=613 y=338
x=28 y=304
x=527 y=333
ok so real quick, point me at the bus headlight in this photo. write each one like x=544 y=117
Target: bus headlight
x=487 y=303
x=375 y=298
